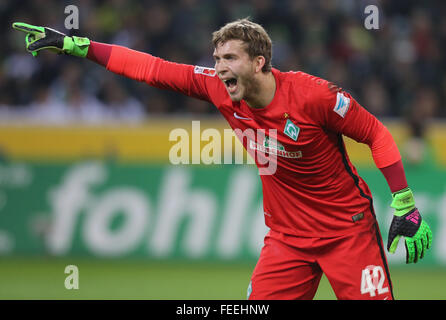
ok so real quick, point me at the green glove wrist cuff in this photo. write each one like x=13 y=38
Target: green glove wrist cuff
x=403 y=201
x=76 y=46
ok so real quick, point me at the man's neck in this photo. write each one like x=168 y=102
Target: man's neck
x=265 y=91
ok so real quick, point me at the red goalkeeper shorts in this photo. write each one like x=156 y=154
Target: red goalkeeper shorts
x=291 y=267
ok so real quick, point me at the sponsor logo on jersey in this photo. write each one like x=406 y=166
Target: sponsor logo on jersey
x=291 y=130
x=272 y=143
x=342 y=104
x=206 y=71
x=274 y=147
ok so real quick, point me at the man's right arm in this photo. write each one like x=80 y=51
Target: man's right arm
x=196 y=82
x=155 y=71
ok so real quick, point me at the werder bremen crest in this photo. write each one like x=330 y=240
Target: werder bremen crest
x=291 y=130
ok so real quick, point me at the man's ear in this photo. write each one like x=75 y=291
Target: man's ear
x=259 y=63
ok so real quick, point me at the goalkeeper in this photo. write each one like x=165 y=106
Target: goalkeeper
x=319 y=210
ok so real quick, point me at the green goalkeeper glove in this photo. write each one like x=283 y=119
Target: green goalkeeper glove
x=40 y=38
x=407 y=222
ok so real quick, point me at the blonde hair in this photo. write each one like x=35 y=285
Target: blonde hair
x=257 y=40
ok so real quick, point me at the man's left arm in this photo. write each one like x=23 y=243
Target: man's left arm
x=344 y=115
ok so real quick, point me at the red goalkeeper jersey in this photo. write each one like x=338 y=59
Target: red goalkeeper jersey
x=315 y=190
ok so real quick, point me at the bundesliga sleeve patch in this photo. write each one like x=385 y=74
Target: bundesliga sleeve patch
x=206 y=71
x=342 y=104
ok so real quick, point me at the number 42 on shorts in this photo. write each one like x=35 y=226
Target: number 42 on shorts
x=372 y=280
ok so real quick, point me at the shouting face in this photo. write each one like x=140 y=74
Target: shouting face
x=237 y=70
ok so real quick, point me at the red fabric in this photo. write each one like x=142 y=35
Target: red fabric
x=158 y=73
x=395 y=176
x=384 y=149
x=99 y=52
x=290 y=268
x=310 y=187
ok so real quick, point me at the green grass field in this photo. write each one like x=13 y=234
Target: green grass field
x=25 y=278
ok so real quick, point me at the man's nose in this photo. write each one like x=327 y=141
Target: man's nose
x=220 y=67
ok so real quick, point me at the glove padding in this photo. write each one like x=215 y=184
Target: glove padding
x=41 y=38
x=407 y=222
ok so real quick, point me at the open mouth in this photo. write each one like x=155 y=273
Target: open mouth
x=231 y=84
